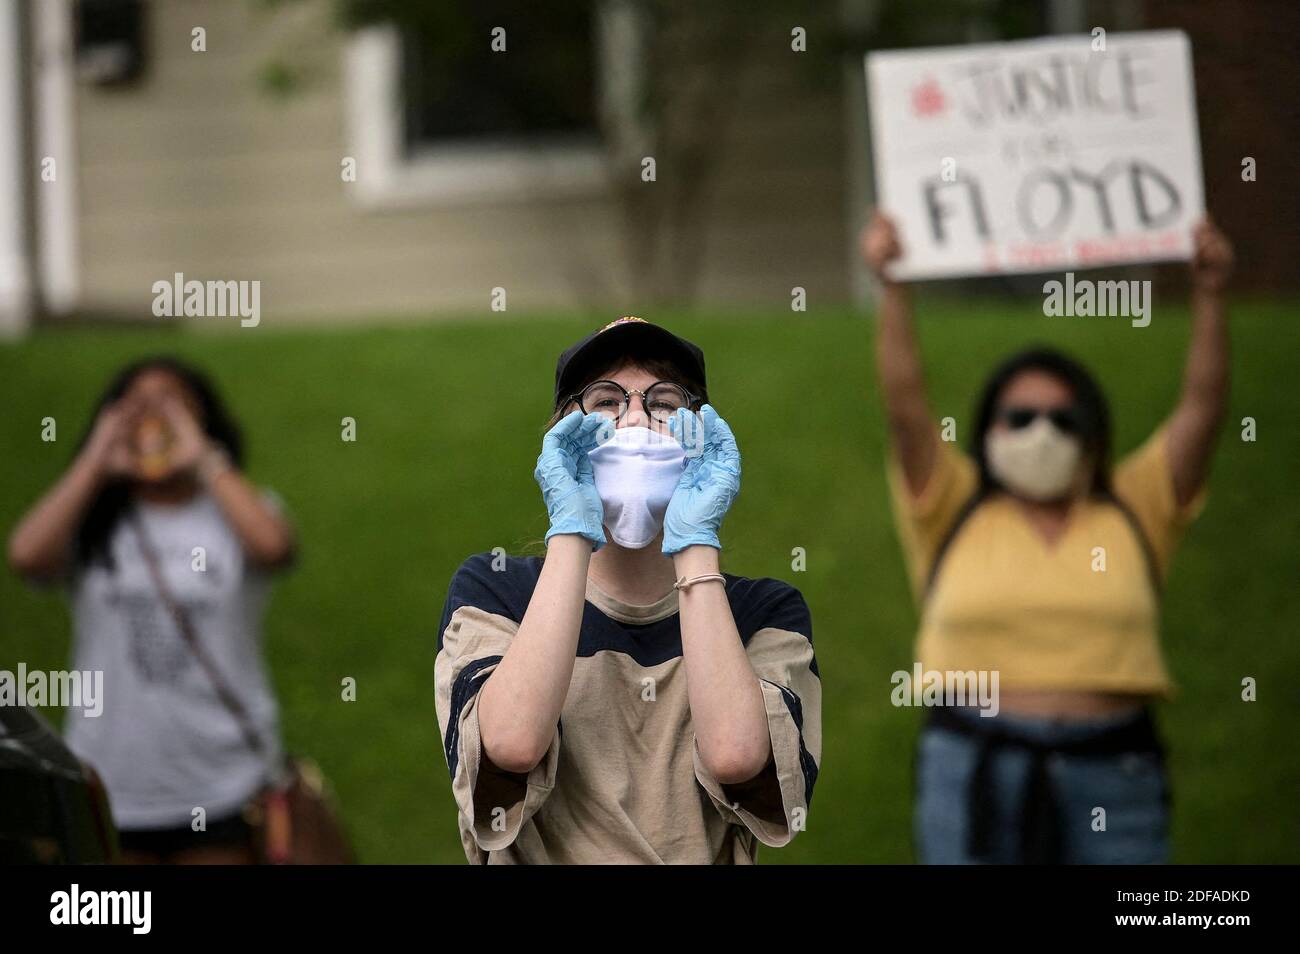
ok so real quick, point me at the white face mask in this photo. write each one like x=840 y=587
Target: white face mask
x=1039 y=462
x=636 y=473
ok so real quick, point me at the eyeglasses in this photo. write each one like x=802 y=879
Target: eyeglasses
x=661 y=400
x=1066 y=419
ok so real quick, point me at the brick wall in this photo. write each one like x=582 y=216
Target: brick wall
x=1247 y=63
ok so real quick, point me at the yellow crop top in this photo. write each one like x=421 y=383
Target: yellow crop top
x=1045 y=616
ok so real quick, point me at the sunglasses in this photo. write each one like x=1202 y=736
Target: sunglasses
x=1065 y=419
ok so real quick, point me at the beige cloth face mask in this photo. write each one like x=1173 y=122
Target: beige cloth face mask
x=1039 y=462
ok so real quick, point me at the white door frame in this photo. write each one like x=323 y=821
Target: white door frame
x=58 y=261
x=16 y=293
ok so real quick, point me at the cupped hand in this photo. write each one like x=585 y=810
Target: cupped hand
x=709 y=483
x=565 y=476
x=110 y=449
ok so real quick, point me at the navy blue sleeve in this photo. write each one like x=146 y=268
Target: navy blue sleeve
x=504 y=591
x=769 y=604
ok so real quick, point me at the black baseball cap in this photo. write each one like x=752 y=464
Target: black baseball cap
x=628 y=337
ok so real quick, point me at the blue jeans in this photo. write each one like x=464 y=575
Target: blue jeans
x=1131 y=787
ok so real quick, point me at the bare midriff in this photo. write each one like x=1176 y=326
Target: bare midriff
x=1059 y=704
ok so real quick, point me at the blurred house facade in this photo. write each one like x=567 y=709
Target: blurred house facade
x=358 y=194
x=194 y=167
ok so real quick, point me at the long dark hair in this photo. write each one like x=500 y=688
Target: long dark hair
x=97 y=528
x=1089 y=402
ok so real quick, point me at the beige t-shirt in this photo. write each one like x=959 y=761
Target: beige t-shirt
x=622 y=781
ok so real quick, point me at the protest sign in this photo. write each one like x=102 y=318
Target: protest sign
x=1037 y=155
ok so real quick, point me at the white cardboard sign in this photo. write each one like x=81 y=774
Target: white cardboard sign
x=1037 y=155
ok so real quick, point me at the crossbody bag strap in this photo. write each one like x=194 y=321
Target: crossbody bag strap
x=958 y=522
x=1144 y=542
x=225 y=694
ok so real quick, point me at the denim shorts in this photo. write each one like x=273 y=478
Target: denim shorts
x=1131 y=787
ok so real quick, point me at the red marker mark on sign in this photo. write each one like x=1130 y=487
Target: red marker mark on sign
x=928 y=99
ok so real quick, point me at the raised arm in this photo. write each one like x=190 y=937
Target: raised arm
x=728 y=711
x=520 y=704
x=1195 y=421
x=521 y=701
x=898 y=360
x=42 y=542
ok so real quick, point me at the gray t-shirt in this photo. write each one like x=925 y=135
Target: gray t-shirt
x=164 y=743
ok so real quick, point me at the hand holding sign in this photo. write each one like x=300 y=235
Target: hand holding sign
x=879 y=244
x=1212 y=257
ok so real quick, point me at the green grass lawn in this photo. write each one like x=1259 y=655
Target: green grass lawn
x=449 y=420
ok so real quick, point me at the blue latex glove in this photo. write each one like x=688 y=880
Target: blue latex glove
x=564 y=473
x=708 y=485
